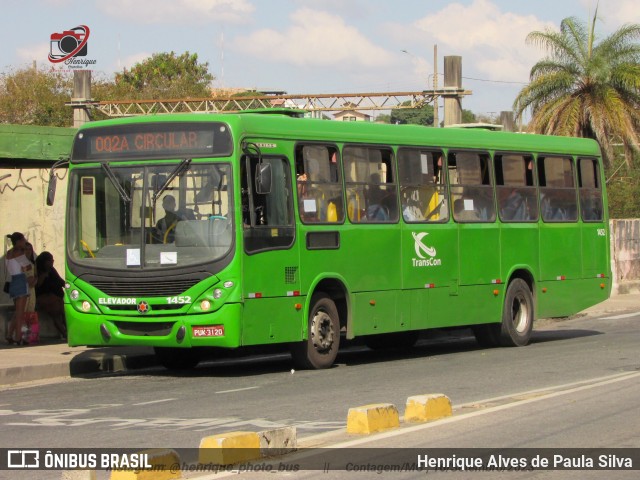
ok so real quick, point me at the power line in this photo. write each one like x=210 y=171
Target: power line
x=494 y=81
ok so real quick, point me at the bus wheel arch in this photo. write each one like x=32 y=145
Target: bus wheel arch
x=327 y=316
x=320 y=348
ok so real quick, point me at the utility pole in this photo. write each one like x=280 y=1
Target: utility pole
x=453 y=82
x=436 y=116
x=81 y=95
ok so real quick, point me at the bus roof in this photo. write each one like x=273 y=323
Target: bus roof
x=281 y=125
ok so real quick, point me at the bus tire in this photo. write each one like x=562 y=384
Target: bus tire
x=517 y=320
x=320 y=348
x=177 y=358
x=517 y=315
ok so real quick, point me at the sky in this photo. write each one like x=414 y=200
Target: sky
x=313 y=46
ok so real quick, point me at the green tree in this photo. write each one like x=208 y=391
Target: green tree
x=36 y=97
x=162 y=76
x=415 y=116
x=468 y=116
x=586 y=88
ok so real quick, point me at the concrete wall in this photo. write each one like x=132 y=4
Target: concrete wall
x=23 y=208
x=625 y=254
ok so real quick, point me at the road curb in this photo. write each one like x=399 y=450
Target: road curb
x=372 y=418
x=378 y=417
x=159 y=459
x=237 y=447
x=424 y=408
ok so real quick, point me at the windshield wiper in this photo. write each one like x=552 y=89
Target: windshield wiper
x=123 y=195
x=179 y=170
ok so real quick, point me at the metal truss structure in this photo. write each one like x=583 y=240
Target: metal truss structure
x=311 y=103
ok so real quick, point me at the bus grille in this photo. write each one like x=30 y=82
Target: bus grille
x=153 y=329
x=152 y=288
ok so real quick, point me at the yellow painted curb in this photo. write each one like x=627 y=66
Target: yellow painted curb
x=79 y=475
x=372 y=418
x=422 y=408
x=167 y=462
x=229 y=448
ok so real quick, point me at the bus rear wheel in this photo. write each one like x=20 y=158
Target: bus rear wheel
x=177 y=358
x=517 y=319
x=323 y=336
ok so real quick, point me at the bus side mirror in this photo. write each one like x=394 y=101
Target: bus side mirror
x=263 y=178
x=51 y=190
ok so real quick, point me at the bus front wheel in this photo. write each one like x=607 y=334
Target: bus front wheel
x=517 y=319
x=177 y=358
x=320 y=348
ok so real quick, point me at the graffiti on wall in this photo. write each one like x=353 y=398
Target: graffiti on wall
x=13 y=182
x=23 y=178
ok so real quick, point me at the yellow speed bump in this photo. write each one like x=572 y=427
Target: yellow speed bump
x=229 y=448
x=164 y=463
x=372 y=418
x=422 y=408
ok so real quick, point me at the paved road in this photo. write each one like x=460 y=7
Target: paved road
x=157 y=409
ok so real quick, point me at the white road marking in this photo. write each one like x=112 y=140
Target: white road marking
x=618 y=317
x=154 y=401
x=237 y=390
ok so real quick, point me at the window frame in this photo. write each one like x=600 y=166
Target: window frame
x=460 y=198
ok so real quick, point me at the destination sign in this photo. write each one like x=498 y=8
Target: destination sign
x=154 y=140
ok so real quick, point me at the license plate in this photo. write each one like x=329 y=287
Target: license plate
x=208 y=331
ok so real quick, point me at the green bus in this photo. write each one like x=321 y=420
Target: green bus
x=187 y=231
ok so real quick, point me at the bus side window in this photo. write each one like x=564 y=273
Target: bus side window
x=267 y=217
x=471 y=186
x=590 y=190
x=318 y=184
x=423 y=193
x=515 y=188
x=557 y=189
x=371 y=186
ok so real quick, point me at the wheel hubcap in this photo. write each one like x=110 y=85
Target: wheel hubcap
x=520 y=313
x=322 y=331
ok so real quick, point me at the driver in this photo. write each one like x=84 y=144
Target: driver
x=168 y=222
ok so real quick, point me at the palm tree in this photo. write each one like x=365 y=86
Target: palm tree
x=584 y=88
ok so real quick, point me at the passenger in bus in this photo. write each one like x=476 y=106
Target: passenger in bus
x=514 y=207
x=165 y=228
x=376 y=210
x=463 y=211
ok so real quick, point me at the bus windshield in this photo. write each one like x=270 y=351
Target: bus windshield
x=150 y=216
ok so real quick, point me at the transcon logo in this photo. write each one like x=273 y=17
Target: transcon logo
x=421 y=247
x=425 y=253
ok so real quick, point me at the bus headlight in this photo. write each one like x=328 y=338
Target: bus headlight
x=217 y=293
x=86 y=306
x=74 y=295
x=205 y=305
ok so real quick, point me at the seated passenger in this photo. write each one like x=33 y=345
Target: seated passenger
x=514 y=207
x=462 y=213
